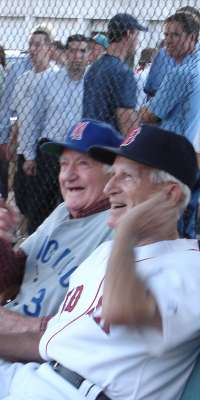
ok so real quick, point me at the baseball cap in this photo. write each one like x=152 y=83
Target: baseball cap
x=102 y=40
x=121 y=23
x=84 y=134
x=156 y=148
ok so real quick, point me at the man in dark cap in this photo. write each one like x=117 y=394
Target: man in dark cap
x=109 y=85
x=128 y=327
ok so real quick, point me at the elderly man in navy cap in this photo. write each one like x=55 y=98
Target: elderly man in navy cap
x=129 y=325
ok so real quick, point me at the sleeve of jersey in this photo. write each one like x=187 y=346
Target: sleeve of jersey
x=47 y=226
x=168 y=96
x=178 y=299
x=155 y=77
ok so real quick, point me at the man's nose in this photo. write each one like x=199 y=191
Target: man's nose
x=78 y=56
x=110 y=186
x=69 y=173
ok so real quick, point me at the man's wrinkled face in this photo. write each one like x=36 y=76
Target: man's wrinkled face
x=129 y=185
x=82 y=181
x=177 y=42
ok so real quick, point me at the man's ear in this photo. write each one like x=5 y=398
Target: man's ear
x=174 y=192
x=128 y=33
x=192 y=37
x=131 y=33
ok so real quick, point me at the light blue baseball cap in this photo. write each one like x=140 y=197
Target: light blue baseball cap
x=102 y=40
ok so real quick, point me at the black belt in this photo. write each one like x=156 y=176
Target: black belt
x=72 y=377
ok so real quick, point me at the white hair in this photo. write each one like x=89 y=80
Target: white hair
x=107 y=168
x=159 y=176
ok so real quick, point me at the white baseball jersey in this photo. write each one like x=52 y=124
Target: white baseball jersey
x=132 y=364
x=54 y=251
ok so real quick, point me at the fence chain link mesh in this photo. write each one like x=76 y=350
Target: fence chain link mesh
x=43 y=105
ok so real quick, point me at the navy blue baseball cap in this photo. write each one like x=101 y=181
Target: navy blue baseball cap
x=122 y=23
x=84 y=134
x=156 y=148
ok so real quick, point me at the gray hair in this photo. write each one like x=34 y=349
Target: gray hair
x=107 y=168
x=159 y=176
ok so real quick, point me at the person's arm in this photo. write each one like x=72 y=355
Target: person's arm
x=134 y=304
x=126 y=300
x=146 y=116
x=127 y=120
x=20 y=336
x=12 y=144
x=173 y=88
x=20 y=348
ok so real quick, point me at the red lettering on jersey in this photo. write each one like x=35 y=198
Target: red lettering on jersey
x=97 y=318
x=66 y=299
x=92 y=310
x=72 y=299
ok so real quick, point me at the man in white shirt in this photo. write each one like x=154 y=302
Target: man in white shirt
x=25 y=132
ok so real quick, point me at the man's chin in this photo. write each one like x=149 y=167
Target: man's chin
x=111 y=224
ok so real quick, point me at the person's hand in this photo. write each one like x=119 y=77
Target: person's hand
x=9 y=218
x=10 y=152
x=29 y=167
x=153 y=220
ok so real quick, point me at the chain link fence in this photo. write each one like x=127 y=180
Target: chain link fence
x=18 y=18
x=33 y=108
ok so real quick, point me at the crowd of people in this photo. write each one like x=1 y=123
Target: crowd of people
x=87 y=313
